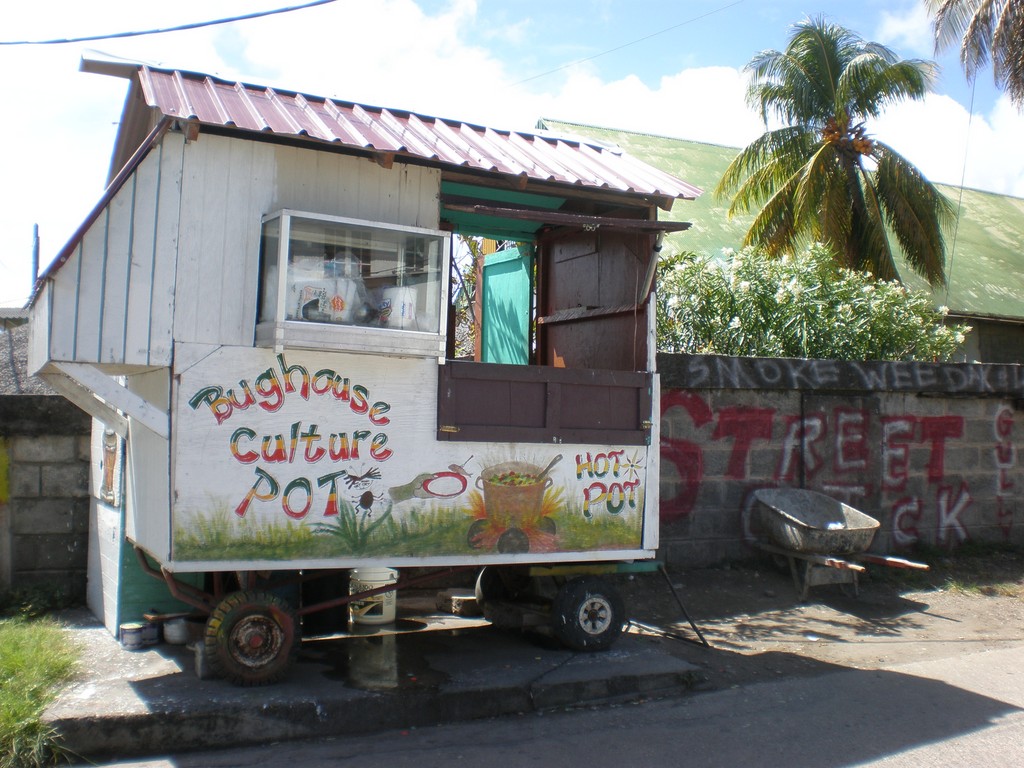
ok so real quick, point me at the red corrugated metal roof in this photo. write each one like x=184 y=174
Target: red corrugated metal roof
x=212 y=101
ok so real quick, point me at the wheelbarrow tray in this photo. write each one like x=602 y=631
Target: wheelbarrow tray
x=805 y=521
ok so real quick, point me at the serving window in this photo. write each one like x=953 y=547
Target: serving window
x=384 y=284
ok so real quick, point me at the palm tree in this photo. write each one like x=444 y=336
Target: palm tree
x=821 y=177
x=985 y=29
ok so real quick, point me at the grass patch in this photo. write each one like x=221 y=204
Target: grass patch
x=36 y=657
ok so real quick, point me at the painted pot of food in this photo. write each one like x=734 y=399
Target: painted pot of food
x=514 y=492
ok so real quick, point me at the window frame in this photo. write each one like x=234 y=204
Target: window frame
x=281 y=333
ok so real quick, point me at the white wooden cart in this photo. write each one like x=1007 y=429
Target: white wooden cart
x=260 y=306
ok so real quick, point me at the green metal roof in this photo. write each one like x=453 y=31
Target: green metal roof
x=985 y=253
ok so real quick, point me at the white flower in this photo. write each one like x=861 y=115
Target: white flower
x=744 y=286
x=735 y=322
x=943 y=310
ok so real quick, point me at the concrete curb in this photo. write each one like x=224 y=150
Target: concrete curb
x=132 y=704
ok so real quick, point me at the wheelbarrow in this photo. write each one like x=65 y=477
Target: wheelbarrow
x=828 y=537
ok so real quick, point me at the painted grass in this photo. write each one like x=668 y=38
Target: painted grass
x=36 y=657
x=433 y=530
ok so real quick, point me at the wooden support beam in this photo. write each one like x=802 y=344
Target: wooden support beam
x=107 y=395
x=88 y=402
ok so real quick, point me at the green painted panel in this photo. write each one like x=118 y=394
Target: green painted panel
x=140 y=593
x=501 y=195
x=495 y=227
x=506 y=306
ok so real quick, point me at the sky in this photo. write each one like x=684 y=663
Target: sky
x=657 y=66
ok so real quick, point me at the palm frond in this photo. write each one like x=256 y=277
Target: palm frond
x=985 y=30
x=950 y=19
x=870 y=249
x=817 y=176
x=1008 y=50
x=915 y=211
x=822 y=199
x=781 y=151
x=869 y=83
x=773 y=227
x=976 y=45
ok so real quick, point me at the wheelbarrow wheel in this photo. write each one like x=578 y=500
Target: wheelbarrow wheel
x=251 y=638
x=587 y=614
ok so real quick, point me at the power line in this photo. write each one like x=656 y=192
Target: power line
x=627 y=45
x=180 y=28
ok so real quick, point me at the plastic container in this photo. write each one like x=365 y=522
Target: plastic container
x=176 y=632
x=132 y=636
x=376 y=609
x=150 y=633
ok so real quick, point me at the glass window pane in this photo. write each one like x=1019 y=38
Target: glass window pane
x=354 y=274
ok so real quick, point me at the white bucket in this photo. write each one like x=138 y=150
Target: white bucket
x=176 y=632
x=377 y=609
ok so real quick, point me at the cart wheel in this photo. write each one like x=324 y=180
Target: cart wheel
x=250 y=638
x=547 y=525
x=513 y=541
x=587 y=614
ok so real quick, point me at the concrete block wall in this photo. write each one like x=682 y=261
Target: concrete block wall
x=44 y=498
x=930 y=450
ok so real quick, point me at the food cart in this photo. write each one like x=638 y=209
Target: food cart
x=261 y=306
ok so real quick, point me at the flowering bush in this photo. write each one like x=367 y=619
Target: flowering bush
x=804 y=306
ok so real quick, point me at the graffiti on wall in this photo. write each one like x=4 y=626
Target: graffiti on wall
x=901 y=462
x=713 y=372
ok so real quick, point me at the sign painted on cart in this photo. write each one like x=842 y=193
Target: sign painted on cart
x=319 y=456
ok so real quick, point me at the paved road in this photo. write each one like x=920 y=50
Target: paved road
x=933 y=713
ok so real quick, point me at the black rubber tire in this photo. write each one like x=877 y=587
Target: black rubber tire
x=251 y=638
x=587 y=614
x=513 y=542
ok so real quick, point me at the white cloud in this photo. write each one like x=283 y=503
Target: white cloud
x=908 y=29
x=941 y=138
x=701 y=104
